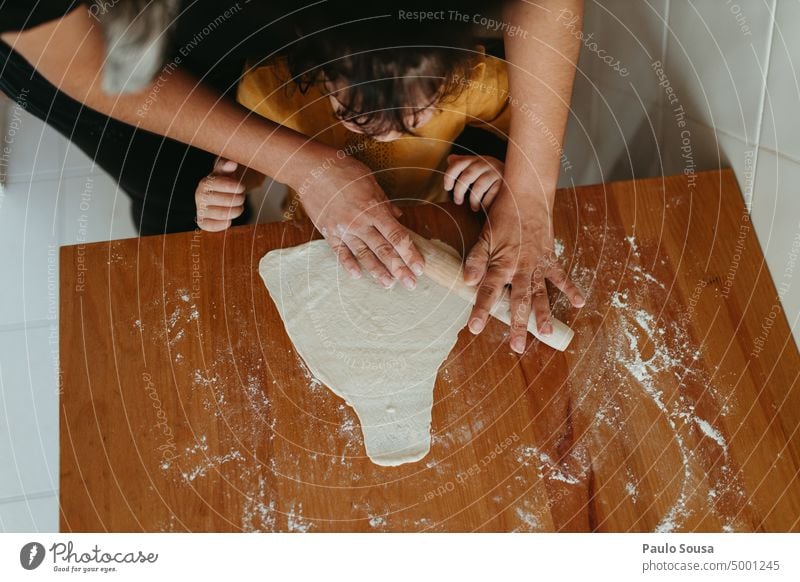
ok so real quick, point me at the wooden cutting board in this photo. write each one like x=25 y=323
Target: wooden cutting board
x=184 y=406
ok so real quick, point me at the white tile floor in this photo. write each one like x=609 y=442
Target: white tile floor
x=47 y=180
x=29 y=410
x=44 y=182
x=29 y=514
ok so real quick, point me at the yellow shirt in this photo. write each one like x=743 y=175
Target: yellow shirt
x=408 y=168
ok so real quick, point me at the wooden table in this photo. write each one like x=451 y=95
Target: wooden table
x=185 y=407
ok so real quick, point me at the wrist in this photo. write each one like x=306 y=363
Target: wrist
x=305 y=166
x=289 y=157
x=535 y=203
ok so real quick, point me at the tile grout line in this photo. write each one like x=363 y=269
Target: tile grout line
x=763 y=101
x=29 y=496
x=49 y=175
x=26 y=325
x=664 y=45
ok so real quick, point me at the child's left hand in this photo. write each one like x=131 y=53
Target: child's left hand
x=481 y=175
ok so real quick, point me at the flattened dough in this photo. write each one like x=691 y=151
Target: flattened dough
x=379 y=349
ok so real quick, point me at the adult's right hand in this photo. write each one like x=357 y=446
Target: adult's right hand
x=352 y=212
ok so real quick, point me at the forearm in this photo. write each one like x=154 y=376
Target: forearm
x=69 y=53
x=541 y=75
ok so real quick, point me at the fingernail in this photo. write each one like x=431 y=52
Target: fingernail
x=409 y=283
x=518 y=345
x=386 y=282
x=580 y=302
x=356 y=273
x=476 y=325
x=417 y=268
x=547 y=329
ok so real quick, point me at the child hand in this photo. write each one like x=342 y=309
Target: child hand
x=481 y=175
x=219 y=196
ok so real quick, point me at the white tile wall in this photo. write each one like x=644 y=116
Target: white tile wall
x=735 y=69
x=612 y=134
x=717 y=65
x=776 y=220
x=631 y=32
x=781 y=130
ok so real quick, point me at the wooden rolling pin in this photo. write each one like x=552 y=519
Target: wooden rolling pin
x=443 y=265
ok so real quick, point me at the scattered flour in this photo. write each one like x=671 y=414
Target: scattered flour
x=295 y=522
x=676 y=357
x=259 y=515
x=523 y=454
x=377 y=521
x=655 y=352
x=666 y=353
x=202 y=380
x=172 y=320
x=256 y=395
x=632 y=490
x=558 y=248
x=528 y=518
x=619 y=299
x=211 y=462
x=313 y=383
x=712 y=433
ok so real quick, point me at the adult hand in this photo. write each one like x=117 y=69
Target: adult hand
x=351 y=211
x=516 y=248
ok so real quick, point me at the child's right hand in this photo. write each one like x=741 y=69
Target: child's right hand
x=480 y=176
x=219 y=196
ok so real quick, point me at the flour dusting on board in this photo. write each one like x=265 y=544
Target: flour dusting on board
x=260 y=514
x=558 y=248
x=650 y=369
x=546 y=466
x=653 y=353
x=210 y=463
x=295 y=522
x=179 y=312
x=528 y=518
x=311 y=381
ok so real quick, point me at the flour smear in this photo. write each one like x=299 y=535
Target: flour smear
x=654 y=351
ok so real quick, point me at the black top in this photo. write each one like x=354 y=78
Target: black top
x=214 y=38
x=210 y=38
x=16 y=15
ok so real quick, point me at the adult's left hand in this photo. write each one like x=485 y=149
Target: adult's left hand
x=516 y=248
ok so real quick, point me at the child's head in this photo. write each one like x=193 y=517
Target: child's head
x=384 y=78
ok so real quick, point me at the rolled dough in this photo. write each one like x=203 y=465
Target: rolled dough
x=379 y=349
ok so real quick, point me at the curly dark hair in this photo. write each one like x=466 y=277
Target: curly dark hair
x=388 y=69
